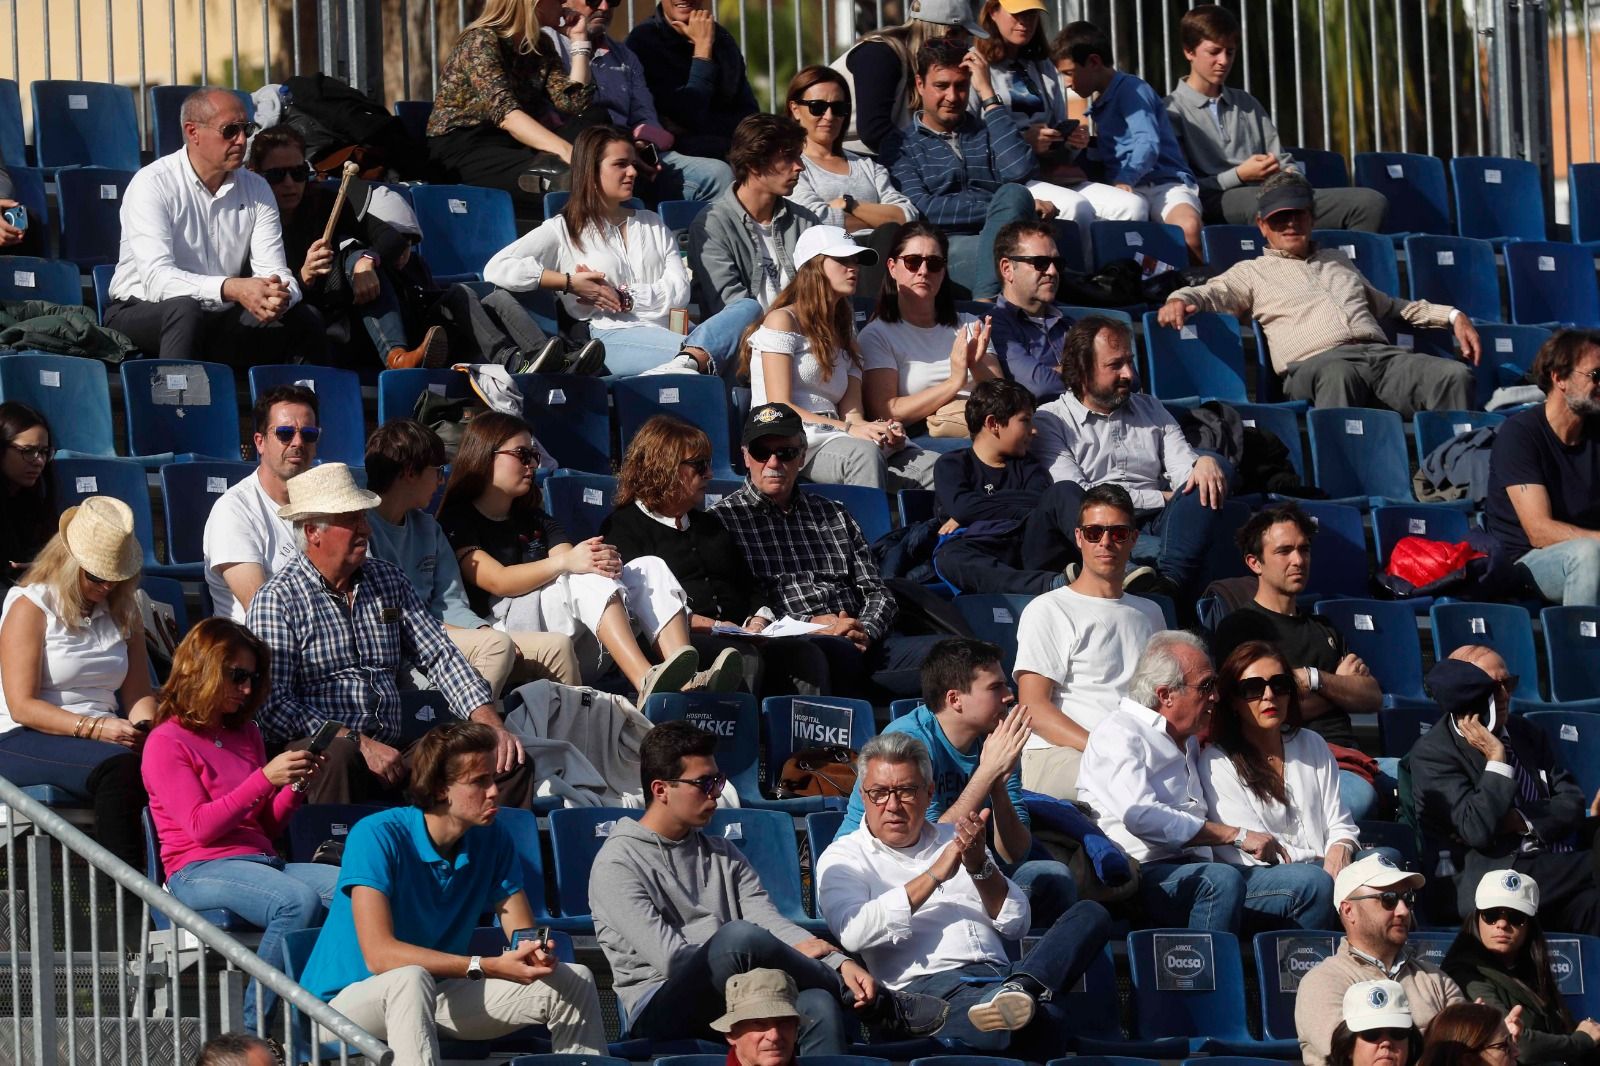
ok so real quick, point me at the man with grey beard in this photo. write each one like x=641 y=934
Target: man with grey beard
x=1544 y=475
x=1100 y=430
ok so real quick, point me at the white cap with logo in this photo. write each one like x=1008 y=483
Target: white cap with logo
x=1374 y=871
x=1507 y=888
x=1376 y=1005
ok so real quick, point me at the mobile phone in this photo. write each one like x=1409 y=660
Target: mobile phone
x=540 y=936
x=17 y=216
x=324 y=736
x=1066 y=128
x=678 y=320
x=648 y=154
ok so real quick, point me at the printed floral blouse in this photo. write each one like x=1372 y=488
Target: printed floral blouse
x=486 y=78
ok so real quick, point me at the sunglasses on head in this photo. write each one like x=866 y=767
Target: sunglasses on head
x=285 y=434
x=1253 y=688
x=788 y=453
x=1390 y=900
x=710 y=785
x=525 y=455
x=1118 y=534
x=818 y=108
x=914 y=263
x=1495 y=915
x=274 y=175
x=235 y=129
x=699 y=466
x=239 y=675
x=1041 y=263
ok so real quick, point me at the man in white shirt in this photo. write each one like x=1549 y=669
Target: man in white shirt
x=201 y=272
x=245 y=540
x=1141 y=777
x=929 y=912
x=1076 y=645
x=1100 y=429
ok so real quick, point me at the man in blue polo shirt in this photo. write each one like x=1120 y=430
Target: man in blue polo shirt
x=393 y=954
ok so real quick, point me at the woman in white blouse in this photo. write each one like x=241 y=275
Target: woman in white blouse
x=921 y=356
x=618 y=268
x=75 y=697
x=805 y=354
x=1262 y=771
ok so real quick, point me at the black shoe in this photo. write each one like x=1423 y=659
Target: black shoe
x=901 y=1015
x=550 y=359
x=588 y=360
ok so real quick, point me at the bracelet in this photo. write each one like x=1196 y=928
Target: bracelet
x=566 y=283
x=585 y=49
x=1313 y=679
x=83 y=721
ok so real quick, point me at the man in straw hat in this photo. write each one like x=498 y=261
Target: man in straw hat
x=761 y=1020
x=339 y=625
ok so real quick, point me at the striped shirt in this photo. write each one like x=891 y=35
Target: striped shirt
x=950 y=178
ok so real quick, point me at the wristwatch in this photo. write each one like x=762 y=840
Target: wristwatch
x=987 y=102
x=1238 y=841
x=475 y=968
x=1313 y=679
x=849 y=204
x=988 y=871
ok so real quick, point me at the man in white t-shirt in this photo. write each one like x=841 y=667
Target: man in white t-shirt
x=246 y=542
x=1076 y=646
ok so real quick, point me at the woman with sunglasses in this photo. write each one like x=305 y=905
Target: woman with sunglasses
x=29 y=491
x=524 y=573
x=1377 y=1028
x=921 y=357
x=1472 y=1034
x=1500 y=957
x=219 y=805
x=1262 y=771
x=75 y=695
x=805 y=354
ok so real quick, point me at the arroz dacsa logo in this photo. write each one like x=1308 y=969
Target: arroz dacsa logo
x=1183 y=962
x=1302 y=960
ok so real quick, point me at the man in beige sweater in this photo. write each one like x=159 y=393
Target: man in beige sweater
x=1374 y=900
x=1322 y=318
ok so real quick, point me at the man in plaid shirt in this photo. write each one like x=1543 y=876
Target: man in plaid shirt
x=340 y=625
x=814 y=564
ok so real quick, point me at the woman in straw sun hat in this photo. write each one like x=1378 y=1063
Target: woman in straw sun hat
x=71 y=654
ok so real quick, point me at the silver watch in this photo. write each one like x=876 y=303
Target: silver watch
x=475 y=968
x=1238 y=841
x=988 y=871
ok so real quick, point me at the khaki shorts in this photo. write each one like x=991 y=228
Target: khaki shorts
x=1052 y=771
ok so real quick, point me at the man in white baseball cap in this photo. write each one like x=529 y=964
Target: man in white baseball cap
x=1374 y=898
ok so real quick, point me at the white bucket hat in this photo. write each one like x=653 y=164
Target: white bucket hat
x=325 y=489
x=1508 y=888
x=99 y=534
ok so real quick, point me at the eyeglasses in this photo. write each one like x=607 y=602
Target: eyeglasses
x=33 y=453
x=525 y=455
x=1253 y=688
x=1394 y=1036
x=239 y=675
x=1510 y=683
x=879 y=797
x=820 y=107
x=103 y=582
x=1389 y=900
x=1594 y=375
x=1118 y=534
x=233 y=130
x=710 y=785
x=699 y=466
x=914 y=263
x=788 y=453
x=274 y=175
x=286 y=434
x=1495 y=915
x=1041 y=263
x=1205 y=686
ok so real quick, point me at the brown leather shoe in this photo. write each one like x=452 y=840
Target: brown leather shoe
x=433 y=352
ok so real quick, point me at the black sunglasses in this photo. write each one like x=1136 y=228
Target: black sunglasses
x=710 y=785
x=1394 y=1036
x=1253 y=688
x=818 y=108
x=525 y=455
x=1495 y=915
x=104 y=582
x=1390 y=900
x=699 y=466
x=301 y=173
x=788 y=453
x=1118 y=534
x=914 y=263
x=234 y=129
x=285 y=434
x=1041 y=263
x=239 y=675
x=1205 y=686
x=1594 y=375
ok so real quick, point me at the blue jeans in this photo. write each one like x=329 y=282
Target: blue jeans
x=1218 y=896
x=1359 y=796
x=692 y=177
x=1567 y=573
x=1176 y=538
x=635 y=349
x=972 y=255
x=1050 y=889
x=263 y=891
x=107 y=775
x=1057 y=961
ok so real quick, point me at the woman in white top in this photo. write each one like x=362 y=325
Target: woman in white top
x=617 y=267
x=75 y=697
x=1264 y=772
x=804 y=354
x=921 y=357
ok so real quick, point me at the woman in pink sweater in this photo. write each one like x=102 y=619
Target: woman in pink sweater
x=219 y=804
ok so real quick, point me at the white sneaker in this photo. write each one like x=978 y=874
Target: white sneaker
x=682 y=363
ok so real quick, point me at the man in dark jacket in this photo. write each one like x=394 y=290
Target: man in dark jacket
x=696 y=75
x=1490 y=784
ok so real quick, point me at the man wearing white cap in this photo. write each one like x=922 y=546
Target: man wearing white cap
x=1378 y=1015
x=340 y=625
x=761 y=1020
x=1374 y=897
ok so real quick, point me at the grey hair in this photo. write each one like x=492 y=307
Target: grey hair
x=1159 y=667
x=200 y=105
x=320 y=521
x=231 y=1049
x=898 y=748
x=1285 y=179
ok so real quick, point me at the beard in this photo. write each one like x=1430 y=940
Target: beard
x=1112 y=399
x=1585 y=407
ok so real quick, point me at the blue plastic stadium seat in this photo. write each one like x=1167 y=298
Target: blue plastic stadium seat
x=344 y=430
x=571 y=416
x=101 y=277
x=315 y=823
x=1433 y=428
x=26 y=277
x=917 y=505
x=414 y=115
x=1583 y=200
x=1458 y=271
x=868 y=506
x=580 y=502
x=1552 y=282
x=1414 y=186
x=794 y=723
x=1204 y=359
x=168 y=591
x=225 y=920
x=1322 y=168
x=1138 y=240
x=175 y=408
x=463 y=226
x=1575 y=738
x=13 y=141
x=398 y=389
x=188 y=492
x=768 y=841
x=1360 y=452
x=166 y=115
x=85 y=124
x=1382 y=634
x=29 y=190
x=1498 y=199
x=1372 y=253
x=994 y=616
x=1399 y=727
x=71 y=392
x=700 y=399
x=1341 y=550
x=1572 y=649
x=1094 y=1019
x=1508 y=353
x=1211 y=1018
x=90 y=203
x=1505 y=627
x=576 y=836
x=1226 y=244
x=821 y=828
x=524 y=829
x=78 y=479
x=1392 y=522
x=1283 y=958
x=1282 y=422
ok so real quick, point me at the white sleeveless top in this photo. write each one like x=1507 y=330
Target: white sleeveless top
x=79 y=671
x=810 y=386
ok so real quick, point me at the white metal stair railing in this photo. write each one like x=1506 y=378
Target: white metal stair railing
x=62 y=1005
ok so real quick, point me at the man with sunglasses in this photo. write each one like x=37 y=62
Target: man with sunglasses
x=1026 y=329
x=202 y=273
x=1375 y=900
x=1489 y=786
x=1544 y=475
x=678 y=911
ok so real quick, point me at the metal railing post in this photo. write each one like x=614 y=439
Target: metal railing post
x=41 y=950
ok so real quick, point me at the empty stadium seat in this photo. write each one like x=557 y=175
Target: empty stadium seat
x=1583 y=201
x=85 y=124
x=166 y=115
x=1203 y=360
x=414 y=115
x=1138 y=240
x=868 y=506
x=1360 y=452
x=523 y=826
x=169 y=592
x=1575 y=738
x=344 y=428
x=1372 y=253
x=1572 y=650
x=71 y=392
x=1399 y=727
x=90 y=205
x=1392 y=522
x=794 y=723
x=188 y=492
x=1382 y=634
x=13 y=141
x=571 y=416
x=768 y=841
x=1282 y=422
x=1552 y=283
x=701 y=399
x=26 y=277
x=1498 y=199
x=576 y=836
x=1458 y=271
x=1094 y=1019
x=180 y=408
x=398 y=389
x=313 y=824
x=1322 y=168
x=1341 y=550
x=994 y=616
x=1283 y=957
x=579 y=502
x=1433 y=428
x=1414 y=186
x=1225 y=245
x=1508 y=353
x=463 y=226
x=1172 y=997
x=1505 y=627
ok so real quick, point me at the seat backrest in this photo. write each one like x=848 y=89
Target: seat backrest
x=580 y=502
x=29 y=189
x=71 y=392
x=1382 y=634
x=1204 y=358
x=768 y=841
x=13 y=141
x=1572 y=649
x=414 y=116
x=994 y=616
x=1138 y=240
x=1507 y=355
x=1498 y=197
x=166 y=115
x=523 y=825
x=463 y=226
x=1575 y=960
x=1322 y=168
x=794 y=723
x=1074 y=312
x=1372 y=254
x=1359 y=451
x=85 y=124
x=100 y=277
x=1390 y=524
x=868 y=506
x=1281 y=422
x=398 y=389
x=571 y=416
x=1583 y=200
x=576 y=836
x=1505 y=627
x=168 y=591
x=1575 y=738
x=78 y=479
x=1226 y=245
x=344 y=428
x=90 y=203
x=188 y=492
x=315 y=823
x=680 y=214
x=731 y=716
x=1094 y=1007
x=821 y=828
x=1552 y=282
x=180 y=407
x=26 y=277
x=916 y=505
x=1414 y=186
x=1283 y=958
x=1400 y=727
x=1340 y=564
x=700 y=399
x=1459 y=271
x=1187 y=983
x=1433 y=428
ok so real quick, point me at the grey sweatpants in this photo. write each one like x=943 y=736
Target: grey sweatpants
x=840 y=459
x=1381 y=375
x=1362 y=209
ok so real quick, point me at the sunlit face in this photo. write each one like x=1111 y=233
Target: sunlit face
x=1370 y=925
x=1211 y=62
x=987 y=700
x=95 y=589
x=944 y=92
x=680 y=10
x=472 y=794
x=415 y=491
x=287 y=164
x=923 y=282
x=825 y=128
x=764 y=1041
x=1187 y=706
x=25 y=458
x=1288 y=231
x=774 y=464
x=618 y=171
x=1105 y=557
x=1027 y=276
x=516 y=461
x=1114 y=374
x=1265 y=713
x=241 y=664
x=287 y=458
x=1579 y=388
x=209 y=144
x=1015 y=436
x=342 y=546
x=694 y=474
x=780 y=178
x=898 y=819
x=1285 y=560
x=1085 y=78
x=1016 y=30
x=688 y=804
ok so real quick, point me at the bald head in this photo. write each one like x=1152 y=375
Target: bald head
x=1484 y=658
x=202 y=105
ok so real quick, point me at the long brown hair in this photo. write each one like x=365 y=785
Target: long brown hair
x=1458 y=1034
x=587 y=205
x=826 y=319
x=1227 y=720
x=1531 y=966
x=650 y=469
x=194 y=692
x=473 y=470
x=515 y=20
x=993 y=48
x=815 y=75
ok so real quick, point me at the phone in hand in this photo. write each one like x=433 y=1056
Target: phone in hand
x=540 y=937
x=325 y=736
x=1066 y=128
x=17 y=216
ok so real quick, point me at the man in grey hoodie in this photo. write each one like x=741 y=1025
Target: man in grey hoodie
x=678 y=912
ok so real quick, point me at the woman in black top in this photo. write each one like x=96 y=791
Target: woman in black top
x=658 y=513
x=29 y=491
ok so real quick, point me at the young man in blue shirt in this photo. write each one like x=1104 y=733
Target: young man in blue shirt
x=393 y=956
